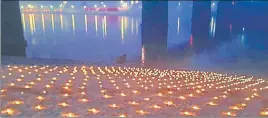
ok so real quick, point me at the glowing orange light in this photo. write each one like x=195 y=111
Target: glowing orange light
x=229 y=113
x=123 y=94
x=69 y=114
x=93 y=111
x=182 y=98
x=195 y=107
x=155 y=106
x=40 y=98
x=9 y=111
x=16 y=102
x=122 y=116
x=142 y=112
x=107 y=96
x=133 y=103
x=212 y=104
x=187 y=113
x=39 y=107
x=169 y=103
x=64 y=104
x=264 y=113
x=114 y=105
x=83 y=100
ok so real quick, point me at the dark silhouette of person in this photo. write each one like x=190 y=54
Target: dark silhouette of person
x=121 y=59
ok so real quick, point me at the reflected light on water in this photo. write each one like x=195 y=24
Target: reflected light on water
x=31 y=24
x=132 y=26
x=137 y=27
x=86 y=23
x=96 y=24
x=142 y=55
x=178 y=28
x=73 y=23
x=23 y=21
x=122 y=29
x=43 y=24
x=61 y=22
x=105 y=25
x=52 y=23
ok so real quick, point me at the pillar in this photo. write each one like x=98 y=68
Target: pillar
x=201 y=16
x=154 y=29
x=224 y=20
x=12 y=40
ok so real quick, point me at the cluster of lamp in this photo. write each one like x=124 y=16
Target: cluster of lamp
x=145 y=90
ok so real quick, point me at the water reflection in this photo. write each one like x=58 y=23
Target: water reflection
x=52 y=35
x=43 y=24
x=52 y=23
x=73 y=24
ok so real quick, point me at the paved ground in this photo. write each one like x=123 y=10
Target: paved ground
x=84 y=90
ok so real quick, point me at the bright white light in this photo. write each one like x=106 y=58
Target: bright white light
x=243 y=29
x=179 y=3
x=121 y=1
x=136 y=1
x=124 y=5
x=132 y=2
x=95 y=6
x=51 y=6
x=104 y=5
x=42 y=6
x=21 y=7
x=213 y=4
x=72 y=6
x=85 y=6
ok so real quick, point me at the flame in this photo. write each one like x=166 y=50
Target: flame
x=10 y=111
x=69 y=114
x=39 y=107
x=114 y=106
x=142 y=112
x=187 y=113
x=229 y=113
x=93 y=111
x=64 y=104
x=16 y=102
x=41 y=98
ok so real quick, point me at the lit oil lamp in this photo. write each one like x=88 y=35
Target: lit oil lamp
x=93 y=111
x=169 y=103
x=107 y=96
x=39 y=107
x=182 y=98
x=264 y=112
x=9 y=111
x=155 y=106
x=195 y=107
x=133 y=103
x=40 y=98
x=69 y=114
x=122 y=116
x=11 y=84
x=123 y=94
x=136 y=92
x=19 y=79
x=188 y=113
x=16 y=102
x=83 y=100
x=212 y=104
x=114 y=106
x=64 y=104
x=147 y=99
x=229 y=113
x=142 y=112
